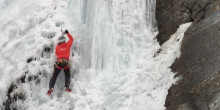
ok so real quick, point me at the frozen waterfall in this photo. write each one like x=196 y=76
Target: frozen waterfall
x=116 y=61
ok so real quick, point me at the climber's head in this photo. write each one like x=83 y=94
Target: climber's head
x=61 y=39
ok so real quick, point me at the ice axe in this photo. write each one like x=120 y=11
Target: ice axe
x=62 y=31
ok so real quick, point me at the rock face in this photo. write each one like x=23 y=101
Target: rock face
x=199 y=65
x=171 y=13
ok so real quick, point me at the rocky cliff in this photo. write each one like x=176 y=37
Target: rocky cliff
x=171 y=13
x=199 y=88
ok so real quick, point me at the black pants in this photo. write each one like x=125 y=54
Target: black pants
x=57 y=68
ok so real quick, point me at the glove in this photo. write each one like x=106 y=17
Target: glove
x=66 y=32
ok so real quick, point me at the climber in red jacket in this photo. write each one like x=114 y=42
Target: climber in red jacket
x=62 y=53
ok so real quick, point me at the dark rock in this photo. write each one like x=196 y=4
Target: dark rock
x=185 y=106
x=171 y=13
x=10 y=103
x=13 y=99
x=47 y=49
x=22 y=79
x=199 y=63
x=30 y=59
x=199 y=68
x=11 y=88
x=37 y=81
x=30 y=78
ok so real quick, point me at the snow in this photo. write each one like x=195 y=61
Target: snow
x=115 y=60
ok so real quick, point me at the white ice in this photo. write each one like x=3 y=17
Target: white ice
x=116 y=61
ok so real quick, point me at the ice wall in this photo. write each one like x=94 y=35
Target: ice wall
x=117 y=44
x=110 y=31
x=115 y=61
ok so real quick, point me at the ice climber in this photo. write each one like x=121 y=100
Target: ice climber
x=62 y=53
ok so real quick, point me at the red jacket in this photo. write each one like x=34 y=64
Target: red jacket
x=63 y=49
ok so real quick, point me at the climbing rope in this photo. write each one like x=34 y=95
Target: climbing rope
x=65 y=101
x=83 y=94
